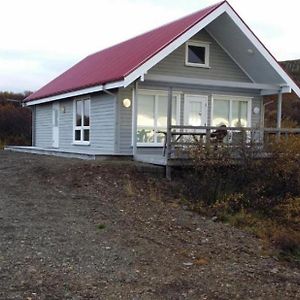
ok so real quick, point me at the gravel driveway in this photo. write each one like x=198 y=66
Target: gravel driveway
x=73 y=229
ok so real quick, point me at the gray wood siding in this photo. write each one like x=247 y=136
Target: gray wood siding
x=222 y=67
x=66 y=124
x=256 y=119
x=102 y=124
x=124 y=134
x=43 y=129
x=103 y=120
x=125 y=114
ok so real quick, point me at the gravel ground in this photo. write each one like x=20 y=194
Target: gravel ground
x=73 y=229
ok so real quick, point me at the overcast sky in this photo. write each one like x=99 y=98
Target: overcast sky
x=42 y=38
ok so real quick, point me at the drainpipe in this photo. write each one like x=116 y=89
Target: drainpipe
x=108 y=92
x=33 y=125
x=169 y=136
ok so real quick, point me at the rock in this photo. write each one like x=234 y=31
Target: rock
x=274 y=270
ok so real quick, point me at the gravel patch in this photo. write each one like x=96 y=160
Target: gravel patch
x=73 y=229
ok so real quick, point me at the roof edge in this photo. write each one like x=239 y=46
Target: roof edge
x=208 y=18
x=75 y=93
x=280 y=70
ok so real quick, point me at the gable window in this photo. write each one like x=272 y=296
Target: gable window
x=231 y=111
x=197 y=54
x=152 y=117
x=82 y=121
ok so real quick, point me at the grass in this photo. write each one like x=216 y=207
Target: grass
x=101 y=226
x=282 y=237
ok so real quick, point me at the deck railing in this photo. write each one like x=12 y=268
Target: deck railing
x=184 y=137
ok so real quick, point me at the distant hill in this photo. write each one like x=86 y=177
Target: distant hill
x=291 y=103
x=293 y=68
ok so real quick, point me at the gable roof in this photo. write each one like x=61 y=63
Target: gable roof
x=121 y=64
x=115 y=63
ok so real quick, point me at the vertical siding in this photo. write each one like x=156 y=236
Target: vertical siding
x=43 y=129
x=222 y=67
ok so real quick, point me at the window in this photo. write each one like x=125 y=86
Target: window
x=231 y=111
x=82 y=121
x=152 y=117
x=197 y=54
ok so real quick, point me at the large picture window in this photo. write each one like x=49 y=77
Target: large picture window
x=231 y=111
x=152 y=117
x=82 y=121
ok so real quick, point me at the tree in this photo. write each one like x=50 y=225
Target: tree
x=15 y=120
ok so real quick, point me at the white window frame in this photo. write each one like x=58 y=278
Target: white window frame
x=82 y=127
x=231 y=98
x=156 y=94
x=206 y=46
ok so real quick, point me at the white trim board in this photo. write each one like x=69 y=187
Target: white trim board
x=209 y=82
x=224 y=8
x=172 y=46
x=81 y=92
x=261 y=48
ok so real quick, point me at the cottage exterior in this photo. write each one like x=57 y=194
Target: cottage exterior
x=206 y=69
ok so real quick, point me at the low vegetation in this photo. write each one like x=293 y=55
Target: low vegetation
x=258 y=195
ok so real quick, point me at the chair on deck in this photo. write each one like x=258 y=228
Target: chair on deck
x=219 y=134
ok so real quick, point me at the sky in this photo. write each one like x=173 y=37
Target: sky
x=42 y=38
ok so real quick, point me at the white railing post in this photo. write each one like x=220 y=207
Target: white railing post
x=169 y=135
x=279 y=111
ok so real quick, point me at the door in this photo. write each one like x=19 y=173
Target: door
x=55 y=123
x=195 y=110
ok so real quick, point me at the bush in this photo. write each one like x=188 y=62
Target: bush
x=260 y=193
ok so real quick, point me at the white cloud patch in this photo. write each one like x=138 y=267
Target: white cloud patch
x=41 y=39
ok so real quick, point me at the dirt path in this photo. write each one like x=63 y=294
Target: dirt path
x=73 y=229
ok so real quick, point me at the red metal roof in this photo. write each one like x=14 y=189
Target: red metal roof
x=116 y=62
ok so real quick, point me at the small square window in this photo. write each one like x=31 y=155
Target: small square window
x=197 y=54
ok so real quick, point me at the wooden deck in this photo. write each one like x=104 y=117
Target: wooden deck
x=181 y=139
x=78 y=153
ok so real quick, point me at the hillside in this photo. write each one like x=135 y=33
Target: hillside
x=293 y=67
x=73 y=229
x=291 y=103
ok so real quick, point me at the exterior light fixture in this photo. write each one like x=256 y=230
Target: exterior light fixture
x=250 y=51
x=126 y=103
x=256 y=110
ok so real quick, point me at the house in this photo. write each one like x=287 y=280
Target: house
x=204 y=70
